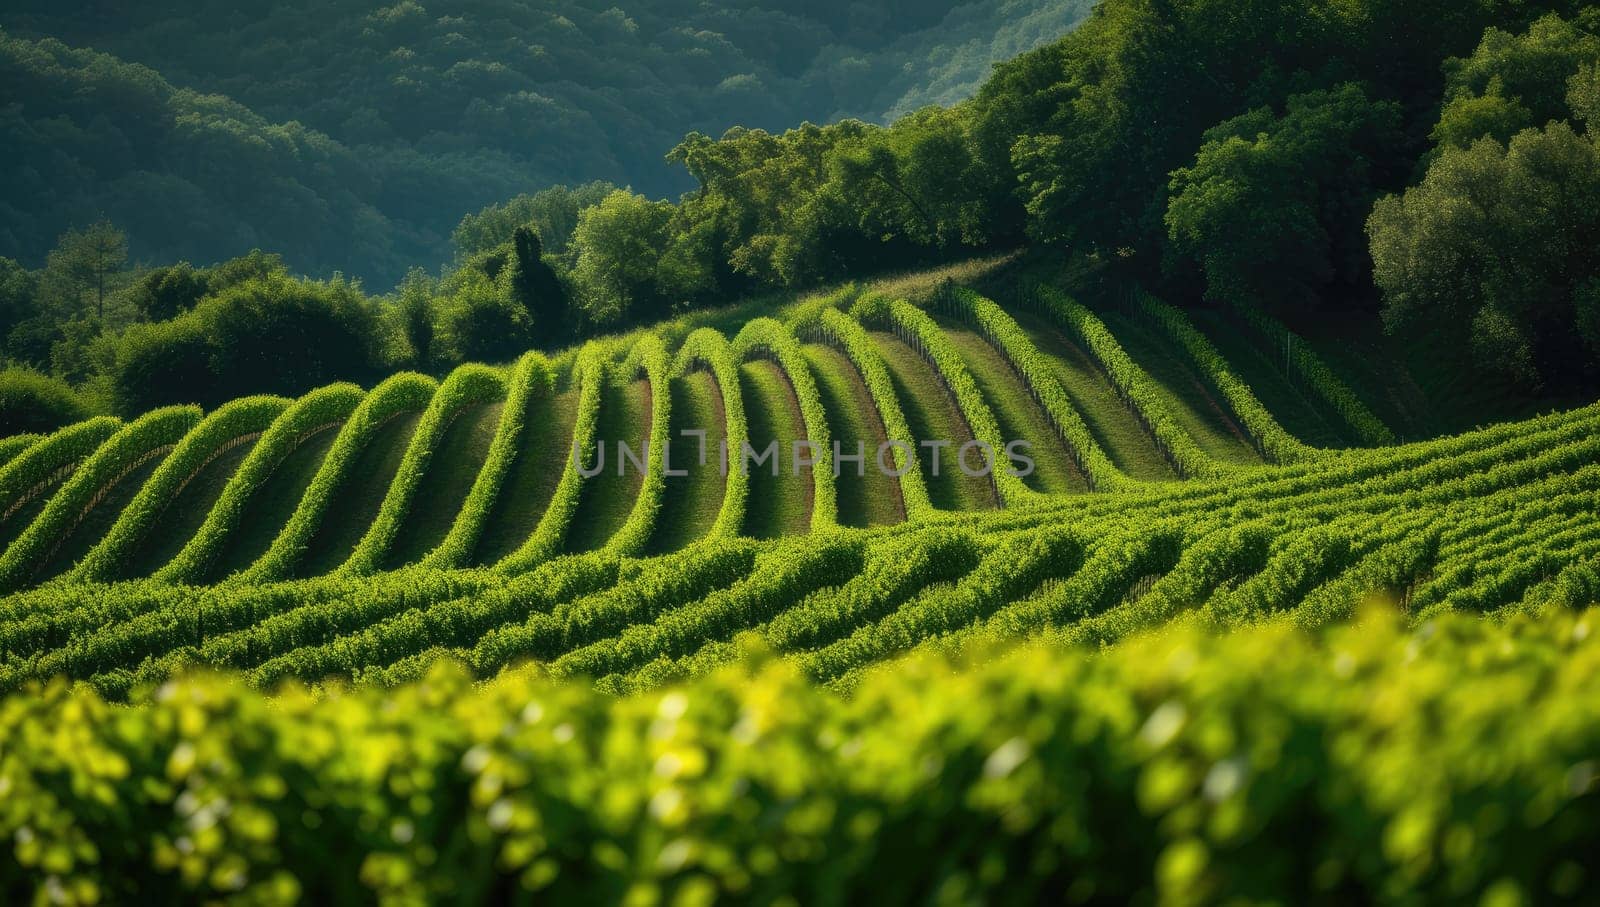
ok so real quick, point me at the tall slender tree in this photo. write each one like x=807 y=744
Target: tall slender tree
x=87 y=262
x=535 y=285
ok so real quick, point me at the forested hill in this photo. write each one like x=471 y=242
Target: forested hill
x=353 y=136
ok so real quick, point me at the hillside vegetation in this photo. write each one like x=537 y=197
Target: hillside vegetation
x=1181 y=767
x=1338 y=181
x=189 y=131
x=428 y=533
x=359 y=534
x=1168 y=476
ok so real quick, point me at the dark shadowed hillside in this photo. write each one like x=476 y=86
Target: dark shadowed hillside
x=363 y=133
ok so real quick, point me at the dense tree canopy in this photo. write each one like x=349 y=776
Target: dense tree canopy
x=31 y=402
x=552 y=213
x=532 y=283
x=1499 y=246
x=1515 y=81
x=272 y=334
x=352 y=136
x=1208 y=151
x=1429 y=158
x=19 y=289
x=1271 y=203
x=481 y=323
x=190 y=176
x=620 y=241
x=1102 y=118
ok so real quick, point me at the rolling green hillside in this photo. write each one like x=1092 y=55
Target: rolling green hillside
x=360 y=534
x=354 y=136
x=1106 y=404
x=423 y=534
x=1169 y=476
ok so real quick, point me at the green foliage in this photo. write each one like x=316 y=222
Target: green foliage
x=152 y=435
x=1583 y=95
x=619 y=241
x=1109 y=574
x=292 y=645
x=1278 y=445
x=1271 y=203
x=1094 y=124
x=357 y=142
x=13 y=446
x=1473 y=522
x=648 y=360
x=164 y=631
x=1213 y=750
x=293 y=333
x=19 y=291
x=836 y=326
x=820 y=202
x=158 y=362
x=532 y=283
x=918 y=330
x=1307 y=366
x=243 y=419
x=545 y=632
x=1007 y=573
x=81 y=350
x=414 y=312
x=317 y=411
x=531 y=379
x=1250 y=185
x=1214 y=559
x=1254 y=178
x=546 y=540
x=780 y=576
x=253 y=265
x=270 y=334
x=84 y=266
x=189 y=175
x=552 y=213
x=170 y=291
x=166 y=292
x=31 y=472
x=707 y=349
x=466 y=386
x=1001 y=330
x=1132 y=383
x=1489 y=251
x=892 y=574
x=482 y=321
x=31 y=402
x=403 y=393
x=1499 y=521
x=766 y=338
x=1247 y=143
x=1513 y=82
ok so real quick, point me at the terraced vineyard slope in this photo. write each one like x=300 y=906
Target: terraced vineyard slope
x=494 y=517
x=477 y=470
x=425 y=534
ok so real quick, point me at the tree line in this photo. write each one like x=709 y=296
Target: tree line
x=1433 y=161
x=350 y=135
